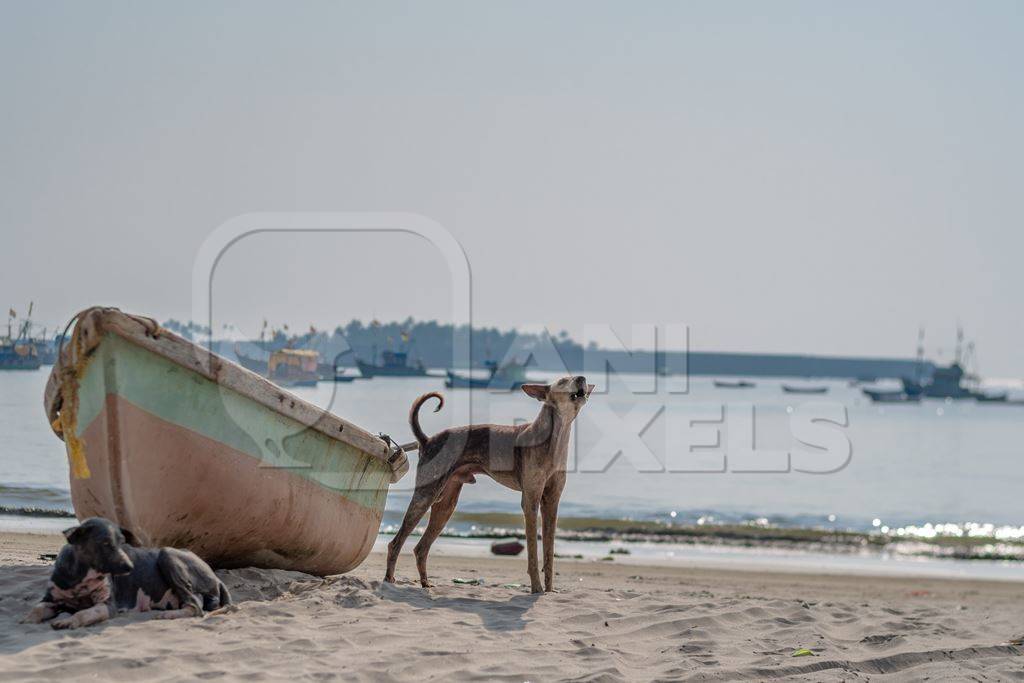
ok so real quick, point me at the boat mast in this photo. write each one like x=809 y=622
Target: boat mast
x=920 y=353
x=375 y=324
x=958 y=356
x=26 y=325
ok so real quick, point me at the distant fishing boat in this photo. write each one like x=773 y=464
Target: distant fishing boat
x=46 y=348
x=19 y=355
x=255 y=357
x=393 y=364
x=185 y=448
x=951 y=382
x=509 y=376
x=945 y=382
x=893 y=396
x=248 y=360
x=18 y=352
x=740 y=384
x=790 y=389
x=294 y=367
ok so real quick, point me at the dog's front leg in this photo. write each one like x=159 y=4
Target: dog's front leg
x=530 y=503
x=44 y=611
x=549 y=516
x=85 y=617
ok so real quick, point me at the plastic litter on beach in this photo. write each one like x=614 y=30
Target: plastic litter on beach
x=802 y=652
x=511 y=585
x=469 y=582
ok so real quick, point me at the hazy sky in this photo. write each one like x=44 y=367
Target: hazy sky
x=812 y=177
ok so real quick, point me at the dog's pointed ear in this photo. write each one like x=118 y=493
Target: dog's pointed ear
x=537 y=391
x=590 y=390
x=73 y=534
x=129 y=537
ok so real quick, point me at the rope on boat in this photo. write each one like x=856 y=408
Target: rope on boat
x=65 y=425
x=395 y=450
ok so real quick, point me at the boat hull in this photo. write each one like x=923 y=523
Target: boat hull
x=456 y=381
x=722 y=384
x=236 y=514
x=804 y=390
x=370 y=370
x=881 y=396
x=182 y=460
x=11 y=360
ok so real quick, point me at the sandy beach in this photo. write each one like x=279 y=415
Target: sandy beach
x=605 y=622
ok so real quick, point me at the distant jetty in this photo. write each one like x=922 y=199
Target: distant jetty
x=434 y=349
x=698 y=363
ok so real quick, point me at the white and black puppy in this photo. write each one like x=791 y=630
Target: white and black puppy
x=98 y=574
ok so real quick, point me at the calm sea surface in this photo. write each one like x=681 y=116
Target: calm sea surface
x=933 y=462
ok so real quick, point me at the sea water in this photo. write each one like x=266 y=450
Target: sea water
x=934 y=462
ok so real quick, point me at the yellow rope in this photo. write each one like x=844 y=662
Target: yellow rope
x=66 y=424
x=68 y=417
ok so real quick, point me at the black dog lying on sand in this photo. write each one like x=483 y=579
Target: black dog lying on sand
x=99 y=573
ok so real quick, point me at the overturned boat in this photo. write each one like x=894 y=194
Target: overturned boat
x=184 y=448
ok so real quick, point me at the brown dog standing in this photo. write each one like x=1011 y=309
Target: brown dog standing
x=530 y=458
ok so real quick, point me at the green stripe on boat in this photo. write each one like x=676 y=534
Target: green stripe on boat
x=191 y=401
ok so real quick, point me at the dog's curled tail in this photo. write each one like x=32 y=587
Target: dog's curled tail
x=414 y=414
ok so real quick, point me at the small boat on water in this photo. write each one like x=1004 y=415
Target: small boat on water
x=950 y=382
x=739 y=384
x=19 y=355
x=792 y=389
x=393 y=364
x=185 y=448
x=19 y=352
x=891 y=396
x=507 y=377
x=248 y=359
x=47 y=349
x=294 y=367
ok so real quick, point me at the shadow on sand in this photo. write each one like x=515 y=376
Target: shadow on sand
x=496 y=615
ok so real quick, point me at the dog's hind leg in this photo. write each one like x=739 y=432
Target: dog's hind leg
x=217 y=598
x=440 y=512
x=421 y=500
x=549 y=515
x=176 y=574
